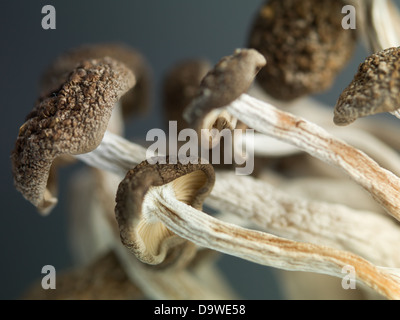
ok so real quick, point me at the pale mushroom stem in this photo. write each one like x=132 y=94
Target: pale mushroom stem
x=301 y=219
x=172 y=285
x=114 y=154
x=372 y=146
x=118 y=155
x=383 y=185
x=321 y=114
x=396 y=113
x=266 y=249
x=265 y=146
x=381 y=24
x=118 y=159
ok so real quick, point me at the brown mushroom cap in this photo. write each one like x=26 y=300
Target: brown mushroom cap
x=135 y=101
x=231 y=77
x=148 y=238
x=70 y=121
x=181 y=85
x=304 y=43
x=374 y=89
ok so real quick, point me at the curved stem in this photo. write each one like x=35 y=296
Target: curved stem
x=266 y=249
x=370 y=235
x=383 y=185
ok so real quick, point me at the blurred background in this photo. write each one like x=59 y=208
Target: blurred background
x=165 y=32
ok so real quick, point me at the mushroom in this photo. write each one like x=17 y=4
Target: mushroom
x=231 y=77
x=263 y=248
x=303 y=134
x=95 y=225
x=304 y=44
x=281 y=117
x=135 y=101
x=181 y=86
x=308 y=137
x=273 y=211
x=319 y=233
x=148 y=238
x=374 y=89
x=70 y=121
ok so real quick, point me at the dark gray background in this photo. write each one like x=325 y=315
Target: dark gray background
x=165 y=32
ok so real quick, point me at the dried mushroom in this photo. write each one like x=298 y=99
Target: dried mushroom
x=135 y=101
x=304 y=44
x=148 y=238
x=230 y=77
x=71 y=121
x=148 y=214
x=374 y=89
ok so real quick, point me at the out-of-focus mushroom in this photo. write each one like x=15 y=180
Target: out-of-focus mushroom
x=135 y=101
x=231 y=77
x=71 y=121
x=374 y=89
x=227 y=81
x=181 y=85
x=102 y=279
x=148 y=238
x=304 y=43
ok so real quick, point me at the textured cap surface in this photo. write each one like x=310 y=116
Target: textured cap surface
x=70 y=121
x=304 y=44
x=374 y=89
x=230 y=77
x=148 y=238
x=135 y=101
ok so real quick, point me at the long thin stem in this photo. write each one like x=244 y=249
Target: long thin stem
x=122 y=155
x=383 y=185
x=266 y=249
x=114 y=154
x=300 y=219
x=384 y=26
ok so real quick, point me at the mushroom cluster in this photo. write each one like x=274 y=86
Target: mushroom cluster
x=321 y=199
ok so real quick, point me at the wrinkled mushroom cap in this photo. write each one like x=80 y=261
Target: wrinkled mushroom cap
x=70 y=121
x=135 y=101
x=374 y=89
x=304 y=43
x=181 y=85
x=148 y=238
x=231 y=77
